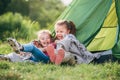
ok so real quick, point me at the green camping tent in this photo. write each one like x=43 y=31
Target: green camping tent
x=97 y=23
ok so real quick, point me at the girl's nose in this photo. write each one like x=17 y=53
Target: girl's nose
x=46 y=39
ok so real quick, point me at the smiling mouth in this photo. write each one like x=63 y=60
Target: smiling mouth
x=46 y=43
x=60 y=37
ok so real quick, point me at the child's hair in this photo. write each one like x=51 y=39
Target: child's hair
x=44 y=31
x=70 y=25
x=37 y=43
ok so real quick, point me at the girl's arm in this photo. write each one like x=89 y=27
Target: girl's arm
x=42 y=49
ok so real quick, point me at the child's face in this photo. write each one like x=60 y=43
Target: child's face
x=45 y=39
x=60 y=31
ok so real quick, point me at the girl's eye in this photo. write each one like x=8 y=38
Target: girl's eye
x=45 y=38
x=48 y=38
x=42 y=39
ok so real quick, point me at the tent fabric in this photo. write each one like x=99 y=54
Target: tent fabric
x=116 y=48
x=96 y=23
x=107 y=36
x=88 y=16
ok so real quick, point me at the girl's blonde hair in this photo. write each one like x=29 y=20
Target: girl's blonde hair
x=44 y=31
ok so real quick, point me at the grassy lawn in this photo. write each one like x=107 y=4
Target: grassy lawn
x=39 y=71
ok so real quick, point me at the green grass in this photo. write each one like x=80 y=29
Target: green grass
x=31 y=71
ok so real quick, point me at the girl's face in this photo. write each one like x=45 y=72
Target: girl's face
x=45 y=39
x=60 y=31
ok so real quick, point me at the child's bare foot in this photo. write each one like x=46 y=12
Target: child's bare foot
x=59 y=56
x=51 y=54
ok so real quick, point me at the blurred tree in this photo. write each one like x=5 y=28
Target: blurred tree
x=17 y=26
x=19 y=6
x=4 y=5
x=22 y=18
x=45 y=11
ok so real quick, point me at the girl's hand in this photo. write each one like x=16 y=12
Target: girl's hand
x=56 y=41
x=43 y=49
x=37 y=43
x=22 y=53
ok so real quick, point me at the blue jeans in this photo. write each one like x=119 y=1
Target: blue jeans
x=37 y=53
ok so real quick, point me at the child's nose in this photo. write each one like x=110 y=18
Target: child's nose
x=46 y=39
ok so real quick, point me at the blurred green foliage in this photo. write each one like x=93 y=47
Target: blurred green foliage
x=43 y=11
x=22 y=18
x=17 y=26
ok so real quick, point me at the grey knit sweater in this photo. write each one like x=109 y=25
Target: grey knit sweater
x=72 y=45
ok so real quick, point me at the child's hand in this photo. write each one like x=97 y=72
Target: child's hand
x=43 y=49
x=56 y=41
x=37 y=43
x=22 y=53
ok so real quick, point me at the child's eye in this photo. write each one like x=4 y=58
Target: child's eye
x=56 y=31
x=42 y=38
x=48 y=38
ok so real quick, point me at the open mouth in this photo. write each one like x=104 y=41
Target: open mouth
x=45 y=44
x=60 y=37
